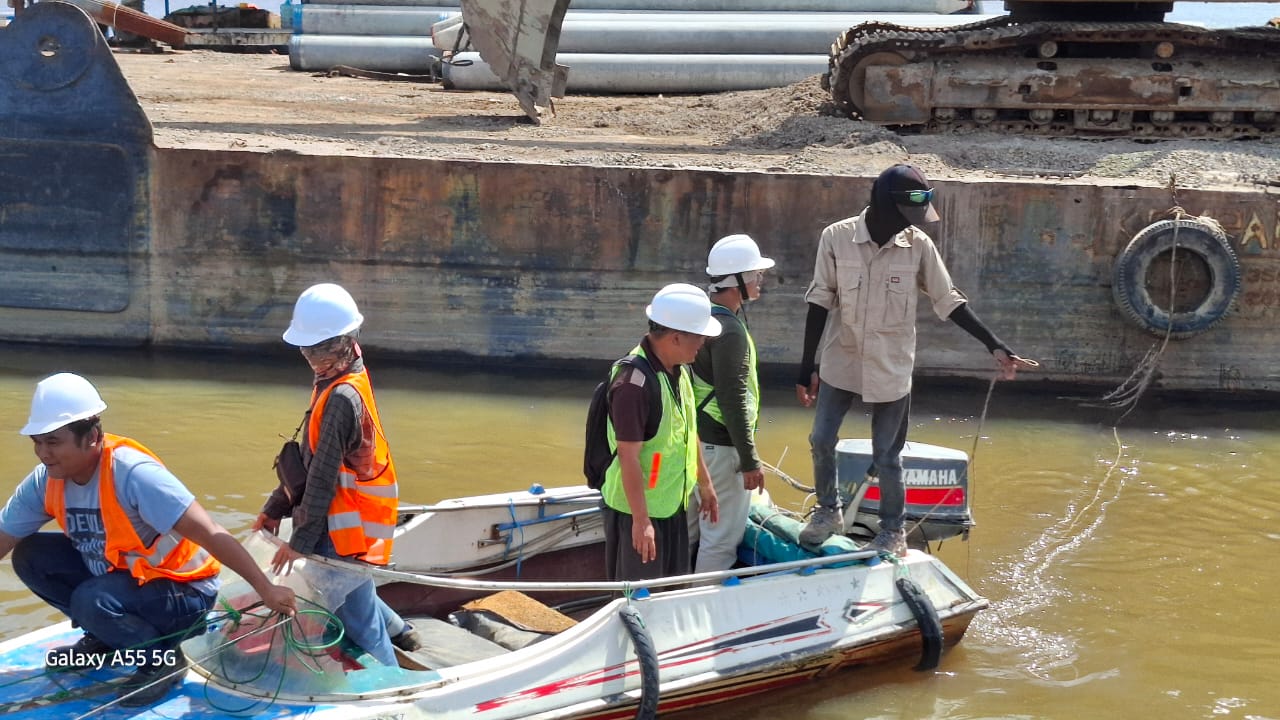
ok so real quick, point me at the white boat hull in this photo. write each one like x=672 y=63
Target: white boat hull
x=716 y=637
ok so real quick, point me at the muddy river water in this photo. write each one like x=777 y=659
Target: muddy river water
x=1129 y=569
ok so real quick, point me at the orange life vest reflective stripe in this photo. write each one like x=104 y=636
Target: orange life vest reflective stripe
x=170 y=555
x=362 y=516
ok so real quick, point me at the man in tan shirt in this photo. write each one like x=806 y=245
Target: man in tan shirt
x=868 y=276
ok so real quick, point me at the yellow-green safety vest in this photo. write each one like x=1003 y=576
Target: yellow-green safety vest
x=676 y=442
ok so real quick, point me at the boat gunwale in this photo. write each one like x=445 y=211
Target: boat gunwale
x=468 y=672
x=967 y=604
x=802 y=566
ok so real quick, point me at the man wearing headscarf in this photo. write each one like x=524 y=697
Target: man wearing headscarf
x=869 y=272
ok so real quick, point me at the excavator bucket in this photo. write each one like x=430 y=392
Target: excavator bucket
x=518 y=40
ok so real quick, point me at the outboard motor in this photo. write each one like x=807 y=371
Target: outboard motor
x=937 y=482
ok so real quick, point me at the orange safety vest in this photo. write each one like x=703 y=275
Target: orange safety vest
x=169 y=556
x=362 y=516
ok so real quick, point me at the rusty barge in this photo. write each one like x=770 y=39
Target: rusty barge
x=106 y=239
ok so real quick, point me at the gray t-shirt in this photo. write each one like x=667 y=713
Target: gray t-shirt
x=152 y=498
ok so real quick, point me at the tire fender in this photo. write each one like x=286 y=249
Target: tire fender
x=647 y=656
x=926 y=619
x=1194 y=236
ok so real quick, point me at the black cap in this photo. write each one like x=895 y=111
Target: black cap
x=901 y=181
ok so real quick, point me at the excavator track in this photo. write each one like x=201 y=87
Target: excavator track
x=1140 y=79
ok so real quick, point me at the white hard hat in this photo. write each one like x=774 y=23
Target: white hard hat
x=683 y=307
x=323 y=311
x=735 y=254
x=61 y=400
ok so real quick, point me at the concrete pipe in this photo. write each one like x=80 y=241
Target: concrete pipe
x=451 y=4
x=789 y=37
x=413 y=55
x=369 y=20
x=633 y=73
x=591 y=31
x=915 y=19
x=843 y=6
x=902 y=6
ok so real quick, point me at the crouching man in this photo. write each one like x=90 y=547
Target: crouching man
x=136 y=564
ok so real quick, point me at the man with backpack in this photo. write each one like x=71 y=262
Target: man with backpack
x=649 y=479
x=727 y=390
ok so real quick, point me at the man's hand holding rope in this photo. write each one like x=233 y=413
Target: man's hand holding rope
x=1009 y=364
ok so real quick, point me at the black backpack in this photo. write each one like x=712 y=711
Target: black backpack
x=596 y=455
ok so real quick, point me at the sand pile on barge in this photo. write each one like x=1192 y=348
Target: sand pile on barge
x=254 y=102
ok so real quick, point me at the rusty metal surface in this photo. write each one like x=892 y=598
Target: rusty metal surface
x=132 y=21
x=74 y=152
x=488 y=259
x=510 y=262
x=105 y=239
x=1061 y=78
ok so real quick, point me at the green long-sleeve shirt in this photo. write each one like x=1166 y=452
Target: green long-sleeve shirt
x=724 y=362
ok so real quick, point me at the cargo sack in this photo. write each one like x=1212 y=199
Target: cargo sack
x=597 y=456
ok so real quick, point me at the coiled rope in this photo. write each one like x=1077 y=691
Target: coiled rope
x=286 y=633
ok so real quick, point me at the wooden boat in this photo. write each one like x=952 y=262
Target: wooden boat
x=537 y=633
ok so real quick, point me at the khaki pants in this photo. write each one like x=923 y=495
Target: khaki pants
x=718 y=542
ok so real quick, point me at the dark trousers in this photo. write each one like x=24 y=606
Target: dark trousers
x=622 y=562
x=113 y=607
x=889 y=422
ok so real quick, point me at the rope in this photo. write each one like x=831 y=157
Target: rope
x=973 y=455
x=302 y=650
x=531 y=548
x=973 y=462
x=194 y=629
x=462 y=38
x=281 y=628
x=1132 y=388
x=517 y=527
x=355 y=72
x=787 y=478
x=182 y=668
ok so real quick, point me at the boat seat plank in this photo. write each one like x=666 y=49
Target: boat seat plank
x=445 y=645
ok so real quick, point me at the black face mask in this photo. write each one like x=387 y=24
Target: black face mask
x=883 y=219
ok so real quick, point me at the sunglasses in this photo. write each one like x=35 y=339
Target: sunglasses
x=324 y=347
x=914 y=197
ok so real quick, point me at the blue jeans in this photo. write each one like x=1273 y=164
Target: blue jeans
x=889 y=422
x=367 y=620
x=113 y=607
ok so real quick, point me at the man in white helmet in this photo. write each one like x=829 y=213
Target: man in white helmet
x=648 y=484
x=349 y=507
x=727 y=390
x=136 y=562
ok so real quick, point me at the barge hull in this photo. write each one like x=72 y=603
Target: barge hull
x=107 y=240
